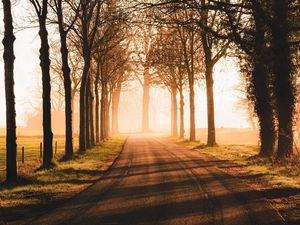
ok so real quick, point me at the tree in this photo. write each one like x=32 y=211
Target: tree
x=270 y=52
x=198 y=19
x=86 y=30
x=144 y=34
x=9 y=58
x=255 y=65
x=41 y=9
x=166 y=57
x=63 y=31
x=282 y=69
x=117 y=82
x=109 y=57
x=214 y=49
x=190 y=48
x=250 y=34
x=113 y=65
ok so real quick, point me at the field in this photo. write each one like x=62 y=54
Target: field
x=229 y=136
x=31 y=146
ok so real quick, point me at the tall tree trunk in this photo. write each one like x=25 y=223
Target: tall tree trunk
x=187 y=40
x=192 y=112
x=103 y=112
x=174 y=127
x=211 y=131
x=282 y=68
x=146 y=100
x=263 y=110
x=97 y=104
x=86 y=49
x=73 y=95
x=192 y=91
x=68 y=108
x=261 y=90
x=45 y=67
x=92 y=128
x=181 y=129
x=107 y=113
x=82 y=105
x=67 y=83
x=115 y=108
x=9 y=58
x=88 y=33
x=87 y=114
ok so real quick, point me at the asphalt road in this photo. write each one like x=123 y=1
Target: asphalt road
x=157 y=182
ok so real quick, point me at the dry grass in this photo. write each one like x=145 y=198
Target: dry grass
x=281 y=175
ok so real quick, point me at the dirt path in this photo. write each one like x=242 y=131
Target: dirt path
x=157 y=182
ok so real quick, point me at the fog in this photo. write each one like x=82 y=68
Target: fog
x=228 y=113
x=28 y=94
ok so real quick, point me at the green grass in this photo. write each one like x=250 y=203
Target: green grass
x=31 y=146
x=284 y=175
x=43 y=187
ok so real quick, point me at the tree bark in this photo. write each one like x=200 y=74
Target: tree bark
x=73 y=95
x=115 y=108
x=82 y=105
x=9 y=58
x=209 y=66
x=46 y=82
x=181 y=129
x=87 y=114
x=211 y=131
x=67 y=83
x=107 y=113
x=192 y=112
x=174 y=127
x=283 y=87
x=91 y=110
x=146 y=100
x=68 y=106
x=261 y=88
x=264 y=110
x=192 y=91
x=97 y=104
x=103 y=112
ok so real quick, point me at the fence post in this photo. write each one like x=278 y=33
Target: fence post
x=23 y=154
x=41 y=150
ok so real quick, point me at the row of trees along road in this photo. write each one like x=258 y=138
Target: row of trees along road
x=181 y=42
x=93 y=39
x=264 y=36
x=198 y=53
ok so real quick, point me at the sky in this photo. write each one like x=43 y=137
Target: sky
x=28 y=78
x=26 y=66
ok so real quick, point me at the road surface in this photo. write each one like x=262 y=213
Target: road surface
x=157 y=182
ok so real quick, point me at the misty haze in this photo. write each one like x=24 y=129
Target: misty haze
x=150 y=112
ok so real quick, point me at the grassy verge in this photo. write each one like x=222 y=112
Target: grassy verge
x=40 y=190
x=287 y=175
